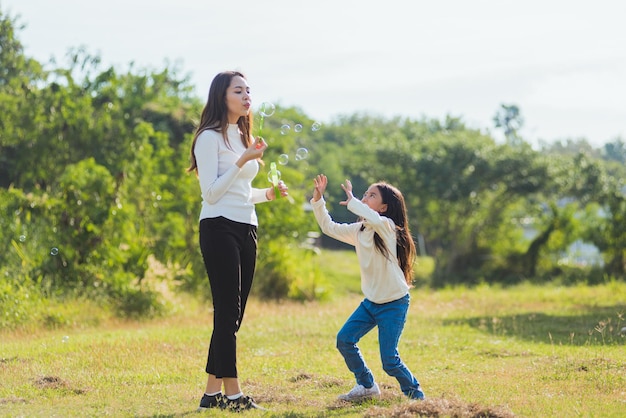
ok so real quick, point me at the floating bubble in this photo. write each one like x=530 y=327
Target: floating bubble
x=22 y=238
x=267 y=109
x=54 y=251
x=297 y=128
x=269 y=175
x=302 y=154
x=65 y=339
x=284 y=130
x=283 y=159
x=316 y=126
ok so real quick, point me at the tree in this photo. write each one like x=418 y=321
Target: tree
x=509 y=118
x=615 y=151
x=19 y=78
x=571 y=147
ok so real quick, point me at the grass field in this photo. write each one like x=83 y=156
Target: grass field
x=525 y=351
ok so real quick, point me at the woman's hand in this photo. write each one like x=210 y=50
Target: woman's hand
x=282 y=188
x=253 y=152
x=320 y=182
x=348 y=189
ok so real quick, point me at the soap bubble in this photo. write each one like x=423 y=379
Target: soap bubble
x=22 y=238
x=316 y=126
x=269 y=175
x=297 y=128
x=267 y=109
x=283 y=159
x=284 y=130
x=302 y=154
x=65 y=339
x=54 y=251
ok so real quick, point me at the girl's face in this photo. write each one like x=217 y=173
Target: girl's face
x=374 y=200
x=238 y=100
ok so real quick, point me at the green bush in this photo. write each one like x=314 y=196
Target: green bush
x=284 y=270
x=18 y=302
x=309 y=283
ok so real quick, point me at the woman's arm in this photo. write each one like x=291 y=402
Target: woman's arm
x=206 y=151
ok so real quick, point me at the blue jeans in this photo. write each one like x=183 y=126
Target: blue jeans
x=390 y=318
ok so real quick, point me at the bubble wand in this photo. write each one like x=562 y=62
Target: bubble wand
x=267 y=109
x=274 y=179
x=261 y=124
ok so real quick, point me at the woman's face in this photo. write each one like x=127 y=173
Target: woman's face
x=374 y=200
x=238 y=99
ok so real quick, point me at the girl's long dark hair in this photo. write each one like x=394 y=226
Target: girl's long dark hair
x=215 y=114
x=396 y=211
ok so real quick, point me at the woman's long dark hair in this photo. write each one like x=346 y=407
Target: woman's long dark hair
x=215 y=114
x=396 y=211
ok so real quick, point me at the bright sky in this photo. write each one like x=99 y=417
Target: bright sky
x=563 y=62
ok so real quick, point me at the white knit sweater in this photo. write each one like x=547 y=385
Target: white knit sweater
x=382 y=279
x=225 y=188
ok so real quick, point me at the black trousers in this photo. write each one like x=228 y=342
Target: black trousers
x=229 y=253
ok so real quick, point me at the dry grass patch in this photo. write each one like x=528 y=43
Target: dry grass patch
x=56 y=383
x=12 y=400
x=440 y=407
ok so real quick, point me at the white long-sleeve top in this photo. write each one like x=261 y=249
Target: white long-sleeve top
x=382 y=279
x=226 y=189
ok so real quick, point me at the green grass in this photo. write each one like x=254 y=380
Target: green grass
x=526 y=351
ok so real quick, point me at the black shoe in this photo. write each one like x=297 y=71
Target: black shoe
x=211 y=401
x=241 y=403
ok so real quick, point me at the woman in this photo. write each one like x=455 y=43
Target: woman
x=386 y=253
x=225 y=158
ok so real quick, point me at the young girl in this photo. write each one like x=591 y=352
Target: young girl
x=386 y=254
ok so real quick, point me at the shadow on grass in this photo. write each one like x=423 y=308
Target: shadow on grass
x=593 y=326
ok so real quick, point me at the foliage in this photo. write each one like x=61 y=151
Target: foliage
x=19 y=302
x=93 y=184
x=289 y=272
x=509 y=118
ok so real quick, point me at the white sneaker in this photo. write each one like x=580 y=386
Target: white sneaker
x=361 y=392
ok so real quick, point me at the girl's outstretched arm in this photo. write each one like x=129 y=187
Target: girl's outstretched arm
x=348 y=189
x=344 y=232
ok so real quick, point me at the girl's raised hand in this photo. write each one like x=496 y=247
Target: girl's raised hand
x=320 y=182
x=348 y=189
